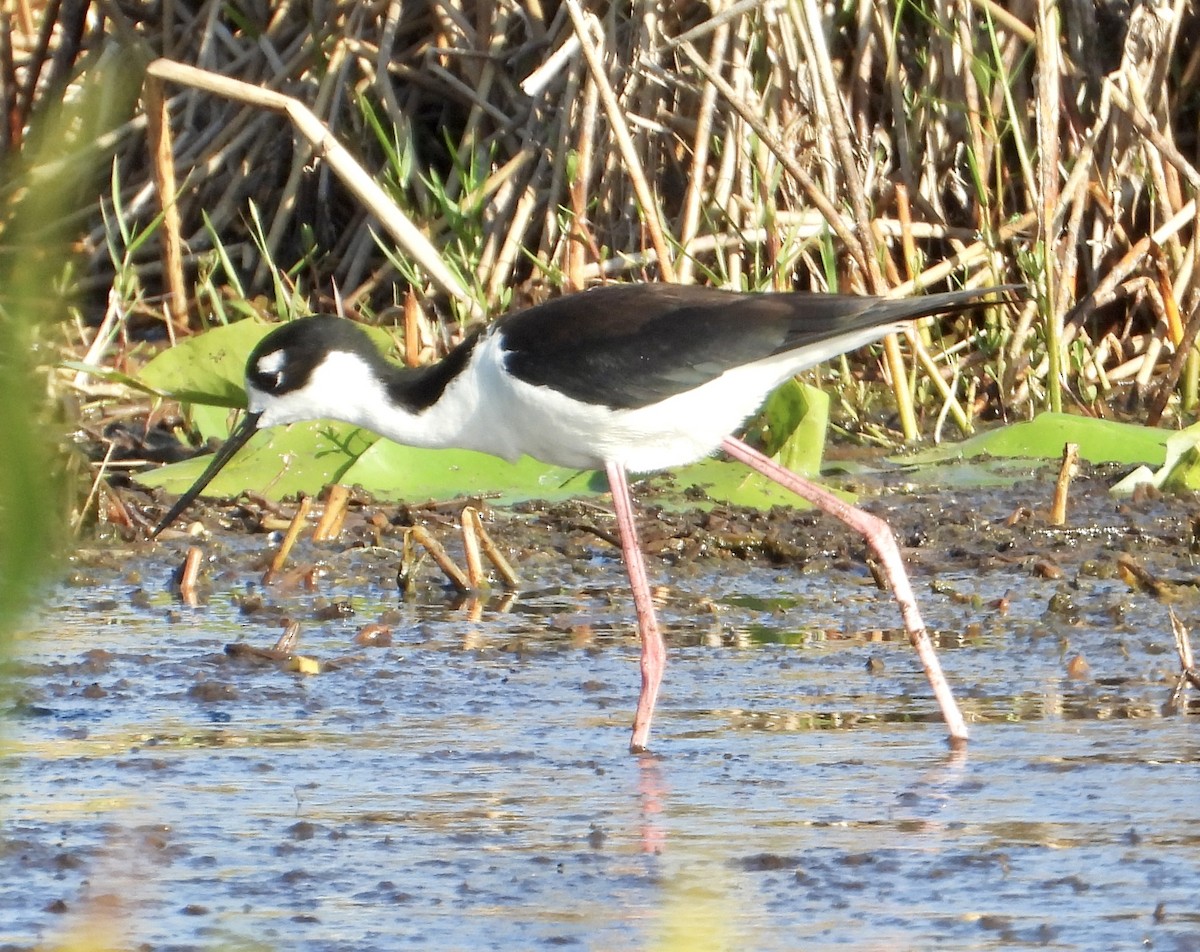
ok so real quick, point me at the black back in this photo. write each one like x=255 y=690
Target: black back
x=622 y=346
x=627 y=346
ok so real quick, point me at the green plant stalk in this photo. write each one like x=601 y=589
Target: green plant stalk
x=1191 y=382
x=1053 y=334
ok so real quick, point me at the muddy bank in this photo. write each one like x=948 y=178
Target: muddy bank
x=973 y=529
x=454 y=772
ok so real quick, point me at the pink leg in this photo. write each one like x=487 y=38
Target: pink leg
x=879 y=537
x=654 y=652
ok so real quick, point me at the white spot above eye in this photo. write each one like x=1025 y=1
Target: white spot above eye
x=272 y=363
x=341 y=387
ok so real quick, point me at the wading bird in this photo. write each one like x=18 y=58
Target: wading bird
x=624 y=378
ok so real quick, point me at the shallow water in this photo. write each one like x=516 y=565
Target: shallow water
x=468 y=787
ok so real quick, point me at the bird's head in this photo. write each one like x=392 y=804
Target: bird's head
x=299 y=371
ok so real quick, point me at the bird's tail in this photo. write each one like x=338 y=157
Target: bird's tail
x=947 y=302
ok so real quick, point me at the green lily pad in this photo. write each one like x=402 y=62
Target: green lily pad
x=1184 y=476
x=277 y=462
x=1180 y=470
x=209 y=368
x=390 y=470
x=730 y=482
x=212 y=422
x=793 y=425
x=305 y=457
x=1044 y=436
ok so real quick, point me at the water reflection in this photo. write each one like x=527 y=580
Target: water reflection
x=652 y=792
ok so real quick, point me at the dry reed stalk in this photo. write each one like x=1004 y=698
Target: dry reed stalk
x=974 y=254
x=497 y=218
x=917 y=103
x=1106 y=290
x=1183 y=643
x=295 y=527
x=729 y=177
x=697 y=180
x=431 y=545
x=713 y=23
x=810 y=187
x=917 y=337
x=639 y=97
x=579 y=240
x=1170 y=300
x=479 y=94
x=950 y=402
x=981 y=144
x=510 y=251
x=1069 y=263
x=333 y=515
x=1146 y=126
x=861 y=64
x=289 y=639
x=1184 y=352
x=812 y=29
x=1165 y=178
x=285 y=207
x=1062 y=486
x=552 y=198
x=798 y=231
x=412 y=330
x=384 y=55
x=904 y=219
x=162 y=157
x=537 y=82
x=475 y=577
x=332 y=151
x=1047 y=122
x=25 y=10
x=189 y=574
x=633 y=166
x=508 y=575
x=1154 y=349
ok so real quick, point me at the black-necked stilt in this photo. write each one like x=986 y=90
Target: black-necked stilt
x=628 y=378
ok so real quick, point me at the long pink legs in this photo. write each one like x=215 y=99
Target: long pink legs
x=654 y=652
x=877 y=534
x=879 y=537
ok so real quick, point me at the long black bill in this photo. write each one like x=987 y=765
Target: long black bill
x=237 y=439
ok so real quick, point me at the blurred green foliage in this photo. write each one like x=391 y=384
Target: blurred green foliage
x=45 y=178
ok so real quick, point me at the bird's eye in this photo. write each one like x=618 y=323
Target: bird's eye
x=268 y=372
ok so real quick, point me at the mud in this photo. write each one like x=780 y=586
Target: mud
x=455 y=775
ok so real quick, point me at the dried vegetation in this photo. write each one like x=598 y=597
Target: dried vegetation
x=763 y=144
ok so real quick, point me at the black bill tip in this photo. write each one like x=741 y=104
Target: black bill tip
x=237 y=439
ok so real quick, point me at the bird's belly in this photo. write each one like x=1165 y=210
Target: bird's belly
x=547 y=425
x=633 y=439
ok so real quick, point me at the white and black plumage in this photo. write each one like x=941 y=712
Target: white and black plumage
x=625 y=378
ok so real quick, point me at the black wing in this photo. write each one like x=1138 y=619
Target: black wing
x=628 y=346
